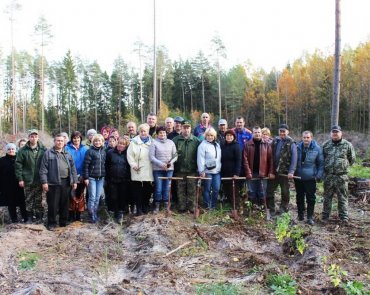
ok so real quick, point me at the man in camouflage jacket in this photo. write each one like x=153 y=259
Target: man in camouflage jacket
x=284 y=153
x=186 y=165
x=339 y=155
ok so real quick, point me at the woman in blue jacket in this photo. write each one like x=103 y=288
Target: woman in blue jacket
x=78 y=151
x=310 y=167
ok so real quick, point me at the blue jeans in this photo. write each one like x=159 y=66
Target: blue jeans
x=95 y=190
x=210 y=198
x=257 y=189
x=162 y=186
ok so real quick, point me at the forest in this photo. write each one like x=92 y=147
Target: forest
x=75 y=94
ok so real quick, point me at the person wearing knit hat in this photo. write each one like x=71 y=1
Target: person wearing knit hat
x=11 y=194
x=10 y=146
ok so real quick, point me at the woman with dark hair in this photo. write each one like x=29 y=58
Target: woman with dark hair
x=162 y=154
x=117 y=175
x=105 y=132
x=231 y=161
x=78 y=151
x=12 y=194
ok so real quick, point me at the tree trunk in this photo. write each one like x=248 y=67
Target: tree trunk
x=336 y=82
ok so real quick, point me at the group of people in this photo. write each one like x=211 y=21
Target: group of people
x=124 y=168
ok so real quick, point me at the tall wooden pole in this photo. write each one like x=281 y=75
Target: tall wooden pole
x=337 y=68
x=154 y=63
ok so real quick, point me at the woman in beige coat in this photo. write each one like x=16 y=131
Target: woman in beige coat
x=141 y=169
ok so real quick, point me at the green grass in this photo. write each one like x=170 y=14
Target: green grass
x=218 y=289
x=282 y=284
x=27 y=260
x=219 y=217
x=357 y=170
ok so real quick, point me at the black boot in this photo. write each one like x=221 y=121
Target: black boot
x=39 y=218
x=310 y=212
x=28 y=220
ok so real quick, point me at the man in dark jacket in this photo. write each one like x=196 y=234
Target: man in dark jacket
x=258 y=165
x=177 y=129
x=186 y=165
x=310 y=168
x=27 y=167
x=222 y=127
x=58 y=175
x=284 y=153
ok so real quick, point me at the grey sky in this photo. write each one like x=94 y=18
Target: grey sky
x=267 y=32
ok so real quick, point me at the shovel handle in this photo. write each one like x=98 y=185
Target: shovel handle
x=171 y=178
x=295 y=177
x=233 y=178
x=198 y=177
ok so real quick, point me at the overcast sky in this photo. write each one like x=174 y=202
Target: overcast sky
x=269 y=33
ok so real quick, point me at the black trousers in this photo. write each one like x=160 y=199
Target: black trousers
x=306 y=191
x=58 y=202
x=141 y=191
x=118 y=196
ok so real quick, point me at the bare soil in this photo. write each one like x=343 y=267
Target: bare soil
x=135 y=257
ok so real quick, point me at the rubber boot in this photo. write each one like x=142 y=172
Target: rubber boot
x=310 y=213
x=156 y=208
x=165 y=205
x=39 y=218
x=29 y=218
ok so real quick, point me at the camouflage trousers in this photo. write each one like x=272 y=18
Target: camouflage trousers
x=272 y=186
x=33 y=196
x=186 y=191
x=336 y=185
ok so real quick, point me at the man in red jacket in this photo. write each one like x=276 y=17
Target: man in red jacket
x=258 y=166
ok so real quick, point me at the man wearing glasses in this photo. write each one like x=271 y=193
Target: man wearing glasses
x=339 y=155
x=202 y=126
x=284 y=153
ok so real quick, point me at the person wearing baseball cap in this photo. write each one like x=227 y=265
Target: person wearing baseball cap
x=186 y=165
x=27 y=166
x=339 y=155
x=177 y=129
x=222 y=127
x=284 y=153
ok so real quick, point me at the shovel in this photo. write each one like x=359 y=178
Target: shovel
x=196 y=203
x=234 y=211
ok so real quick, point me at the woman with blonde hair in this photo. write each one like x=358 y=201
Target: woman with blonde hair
x=93 y=174
x=209 y=166
x=141 y=168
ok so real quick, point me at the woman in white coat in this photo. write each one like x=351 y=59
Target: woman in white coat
x=141 y=169
x=209 y=165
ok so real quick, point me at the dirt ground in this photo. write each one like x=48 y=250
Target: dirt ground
x=135 y=257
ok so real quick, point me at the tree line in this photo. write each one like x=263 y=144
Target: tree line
x=79 y=95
